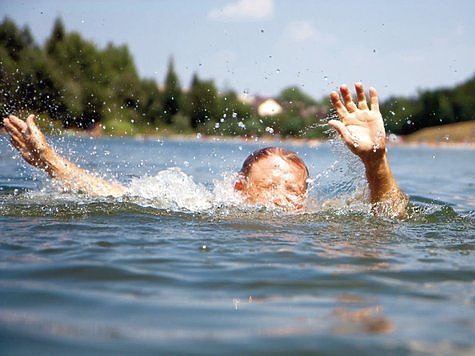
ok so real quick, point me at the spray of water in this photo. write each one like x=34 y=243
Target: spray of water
x=172 y=189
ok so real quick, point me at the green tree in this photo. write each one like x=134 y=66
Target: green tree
x=232 y=113
x=463 y=100
x=14 y=40
x=57 y=36
x=151 y=106
x=203 y=101
x=398 y=114
x=171 y=100
x=295 y=95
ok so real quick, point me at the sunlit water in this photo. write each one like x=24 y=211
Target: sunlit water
x=180 y=265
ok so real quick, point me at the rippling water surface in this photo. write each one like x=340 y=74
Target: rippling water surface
x=180 y=266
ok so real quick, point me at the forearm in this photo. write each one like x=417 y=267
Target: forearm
x=35 y=150
x=78 y=179
x=385 y=195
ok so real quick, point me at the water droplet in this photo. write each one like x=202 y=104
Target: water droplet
x=277 y=71
x=236 y=302
x=262 y=30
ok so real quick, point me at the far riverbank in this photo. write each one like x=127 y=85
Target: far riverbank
x=456 y=135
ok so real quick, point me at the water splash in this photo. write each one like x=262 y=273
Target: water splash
x=172 y=189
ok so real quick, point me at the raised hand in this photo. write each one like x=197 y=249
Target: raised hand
x=360 y=126
x=362 y=129
x=28 y=140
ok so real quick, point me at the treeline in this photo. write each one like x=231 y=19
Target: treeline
x=404 y=115
x=74 y=84
x=77 y=85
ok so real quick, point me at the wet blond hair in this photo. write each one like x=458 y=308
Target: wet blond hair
x=285 y=154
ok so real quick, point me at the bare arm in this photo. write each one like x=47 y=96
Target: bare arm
x=362 y=129
x=31 y=143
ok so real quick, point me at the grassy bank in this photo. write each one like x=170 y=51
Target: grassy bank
x=459 y=133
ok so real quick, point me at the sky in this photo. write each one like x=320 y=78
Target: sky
x=260 y=47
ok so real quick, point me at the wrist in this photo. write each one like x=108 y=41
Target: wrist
x=52 y=162
x=379 y=176
x=374 y=158
x=377 y=166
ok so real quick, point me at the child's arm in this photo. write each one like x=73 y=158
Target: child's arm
x=31 y=143
x=362 y=129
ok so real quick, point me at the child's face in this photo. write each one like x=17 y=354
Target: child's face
x=272 y=181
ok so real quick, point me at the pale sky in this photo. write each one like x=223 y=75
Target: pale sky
x=263 y=46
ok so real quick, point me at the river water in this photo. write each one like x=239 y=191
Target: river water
x=180 y=266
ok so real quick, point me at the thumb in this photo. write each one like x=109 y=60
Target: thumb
x=342 y=130
x=30 y=121
x=35 y=133
x=33 y=129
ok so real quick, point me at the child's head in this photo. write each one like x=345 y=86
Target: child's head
x=274 y=176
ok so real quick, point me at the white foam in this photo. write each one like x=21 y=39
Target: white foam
x=175 y=190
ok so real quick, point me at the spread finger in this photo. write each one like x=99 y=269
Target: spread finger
x=362 y=104
x=18 y=123
x=346 y=94
x=338 y=105
x=373 y=99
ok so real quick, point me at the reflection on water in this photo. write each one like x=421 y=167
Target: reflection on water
x=181 y=266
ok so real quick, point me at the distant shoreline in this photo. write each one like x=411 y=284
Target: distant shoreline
x=457 y=136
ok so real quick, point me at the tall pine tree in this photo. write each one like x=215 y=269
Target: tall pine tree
x=171 y=99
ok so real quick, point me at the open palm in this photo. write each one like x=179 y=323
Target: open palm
x=27 y=139
x=360 y=126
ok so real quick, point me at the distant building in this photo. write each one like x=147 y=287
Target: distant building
x=268 y=107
